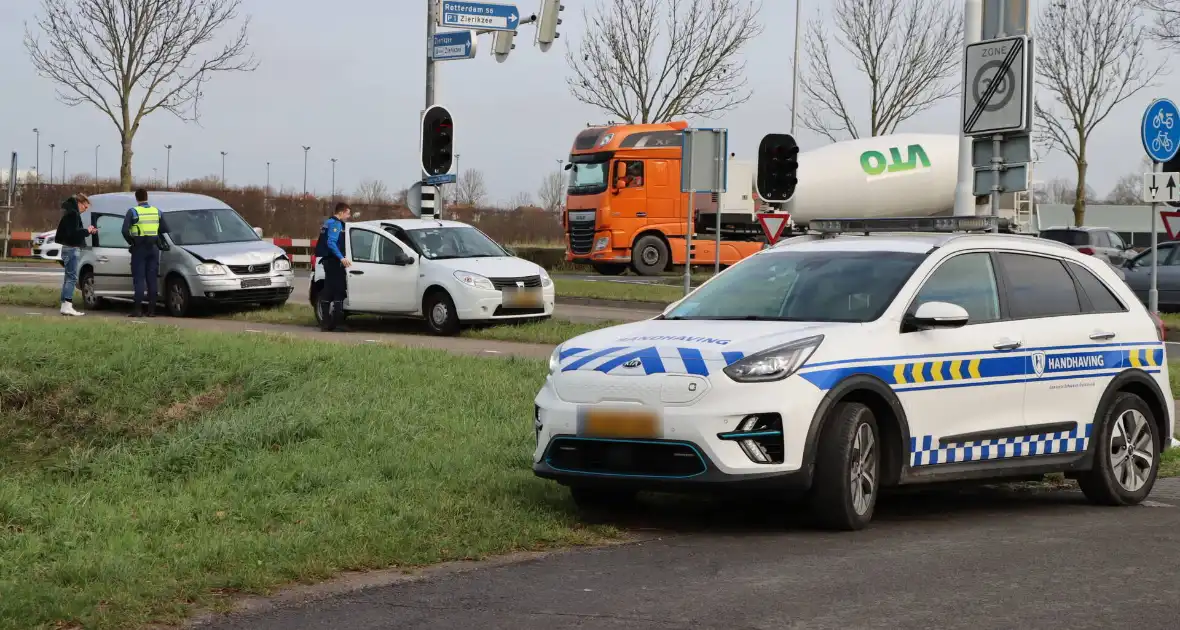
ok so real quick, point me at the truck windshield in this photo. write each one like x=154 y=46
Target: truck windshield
x=812 y=286
x=455 y=242
x=208 y=227
x=588 y=179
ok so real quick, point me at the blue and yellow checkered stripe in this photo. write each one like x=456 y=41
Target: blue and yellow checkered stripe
x=933 y=372
x=926 y=451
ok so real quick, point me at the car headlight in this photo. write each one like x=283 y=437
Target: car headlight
x=774 y=364
x=546 y=281
x=210 y=269
x=282 y=264
x=555 y=360
x=474 y=280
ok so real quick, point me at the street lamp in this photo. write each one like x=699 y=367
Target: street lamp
x=305 y=150
x=38 y=165
x=64 y=153
x=51 y=145
x=268 y=179
x=96 y=147
x=168 y=168
x=795 y=70
x=223 y=154
x=333 y=179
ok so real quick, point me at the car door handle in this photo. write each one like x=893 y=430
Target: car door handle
x=356 y=272
x=1008 y=344
x=103 y=259
x=1101 y=334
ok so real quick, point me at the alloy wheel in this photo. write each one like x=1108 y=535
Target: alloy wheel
x=1132 y=450
x=863 y=471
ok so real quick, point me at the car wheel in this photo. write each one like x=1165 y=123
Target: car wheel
x=1126 y=454
x=90 y=298
x=597 y=499
x=180 y=300
x=441 y=317
x=847 y=469
x=610 y=269
x=650 y=256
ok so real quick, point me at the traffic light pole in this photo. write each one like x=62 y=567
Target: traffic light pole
x=427 y=193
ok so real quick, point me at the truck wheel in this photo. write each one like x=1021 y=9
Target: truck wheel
x=610 y=269
x=650 y=256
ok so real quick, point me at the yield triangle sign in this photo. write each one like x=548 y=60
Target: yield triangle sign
x=772 y=225
x=1171 y=223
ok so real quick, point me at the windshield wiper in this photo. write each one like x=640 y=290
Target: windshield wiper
x=738 y=318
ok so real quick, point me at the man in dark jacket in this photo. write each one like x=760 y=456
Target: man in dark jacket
x=71 y=235
x=142 y=227
x=329 y=248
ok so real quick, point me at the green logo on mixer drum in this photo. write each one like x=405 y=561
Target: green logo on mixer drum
x=875 y=163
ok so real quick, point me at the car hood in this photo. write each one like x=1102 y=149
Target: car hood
x=248 y=253
x=692 y=347
x=499 y=267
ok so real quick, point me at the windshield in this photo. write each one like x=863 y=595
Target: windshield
x=207 y=227
x=1069 y=237
x=588 y=179
x=455 y=242
x=813 y=286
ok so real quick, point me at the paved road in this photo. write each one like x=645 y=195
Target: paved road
x=966 y=560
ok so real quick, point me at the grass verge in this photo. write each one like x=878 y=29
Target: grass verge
x=550 y=332
x=142 y=477
x=657 y=293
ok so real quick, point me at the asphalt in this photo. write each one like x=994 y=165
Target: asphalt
x=949 y=560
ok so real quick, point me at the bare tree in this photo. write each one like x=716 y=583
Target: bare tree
x=402 y=197
x=908 y=52
x=470 y=189
x=131 y=58
x=552 y=191
x=520 y=200
x=1090 y=58
x=372 y=191
x=655 y=60
x=1166 y=28
x=1127 y=191
x=1061 y=190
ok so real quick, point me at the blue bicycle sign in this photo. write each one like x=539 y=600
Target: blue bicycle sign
x=1161 y=130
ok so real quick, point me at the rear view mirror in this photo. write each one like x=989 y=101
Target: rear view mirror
x=938 y=315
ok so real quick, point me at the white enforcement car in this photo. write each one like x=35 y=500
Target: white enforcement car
x=446 y=272
x=837 y=364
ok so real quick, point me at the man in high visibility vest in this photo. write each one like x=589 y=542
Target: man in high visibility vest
x=142 y=227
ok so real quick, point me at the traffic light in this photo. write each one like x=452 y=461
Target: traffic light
x=778 y=166
x=548 y=23
x=438 y=140
x=502 y=45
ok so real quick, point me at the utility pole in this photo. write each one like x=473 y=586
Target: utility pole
x=64 y=153
x=96 y=147
x=168 y=168
x=51 y=146
x=795 y=70
x=333 y=179
x=305 y=150
x=37 y=167
x=431 y=7
x=268 y=179
x=223 y=154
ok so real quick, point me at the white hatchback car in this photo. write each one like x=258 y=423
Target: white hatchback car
x=445 y=272
x=838 y=365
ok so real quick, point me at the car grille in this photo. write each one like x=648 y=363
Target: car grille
x=504 y=283
x=247 y=270
x=249 y=296
x=625 y=457
x=507 y=312
x=581 y=234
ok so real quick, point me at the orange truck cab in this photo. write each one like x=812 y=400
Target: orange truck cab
x=624 y=208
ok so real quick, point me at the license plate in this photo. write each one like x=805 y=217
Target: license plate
x=515 y=297
x=619 y=423
x=250 y=283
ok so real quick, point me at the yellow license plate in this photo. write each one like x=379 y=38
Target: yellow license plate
x=522 y=298
x=619 y=423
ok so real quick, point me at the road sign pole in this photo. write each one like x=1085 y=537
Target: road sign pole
x=997 y=168
x=721 y=170
x=1153 y=296
x=692 y=198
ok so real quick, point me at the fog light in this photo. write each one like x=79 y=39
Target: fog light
x=760 y=437
x=602 y=243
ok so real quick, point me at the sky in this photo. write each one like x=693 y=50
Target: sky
x=347 y=79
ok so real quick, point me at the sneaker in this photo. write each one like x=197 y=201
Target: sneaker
x=67 y=308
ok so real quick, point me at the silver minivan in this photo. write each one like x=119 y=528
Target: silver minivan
x=211 y=255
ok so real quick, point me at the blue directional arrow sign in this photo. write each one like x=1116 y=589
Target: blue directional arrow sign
x=1161 y=130
x=438 y=180
x=453 y=45
x=481 y=16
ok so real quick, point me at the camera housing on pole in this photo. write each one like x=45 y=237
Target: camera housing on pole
x=778 y=167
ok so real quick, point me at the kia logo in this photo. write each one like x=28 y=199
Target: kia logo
x=633 y=363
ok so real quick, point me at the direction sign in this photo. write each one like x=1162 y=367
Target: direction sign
x=1169 y=218
x=1007 y=17
x=1161 y=130
x=772 y=225
x=1013 y=150
x=704 y=165
x=1014 y=178
x=995 y=87
x=1161 y=187
x=438 y=180
x=453 y=45
x=482 y=16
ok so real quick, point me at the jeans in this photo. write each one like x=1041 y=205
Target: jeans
x=145 y=271
x=69 y=260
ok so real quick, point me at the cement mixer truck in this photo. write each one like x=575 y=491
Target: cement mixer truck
x=624 y=208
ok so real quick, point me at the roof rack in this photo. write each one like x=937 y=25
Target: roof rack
x=905 y=224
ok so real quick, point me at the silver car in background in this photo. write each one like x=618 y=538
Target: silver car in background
x=211 y=255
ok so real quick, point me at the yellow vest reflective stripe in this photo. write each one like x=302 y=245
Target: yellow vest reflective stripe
x=148 y=223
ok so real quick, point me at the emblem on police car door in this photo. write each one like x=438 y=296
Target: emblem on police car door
x=633 y=363
x=1038 y=363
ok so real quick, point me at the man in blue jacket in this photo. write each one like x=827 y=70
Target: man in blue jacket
x=142 y=227
x=329 y=248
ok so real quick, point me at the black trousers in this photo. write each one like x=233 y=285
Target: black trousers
x=145 y=272
x=335 y=283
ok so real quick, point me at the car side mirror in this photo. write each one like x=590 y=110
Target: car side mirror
x=403 y=260
x=258 y=231
x=938 y=315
